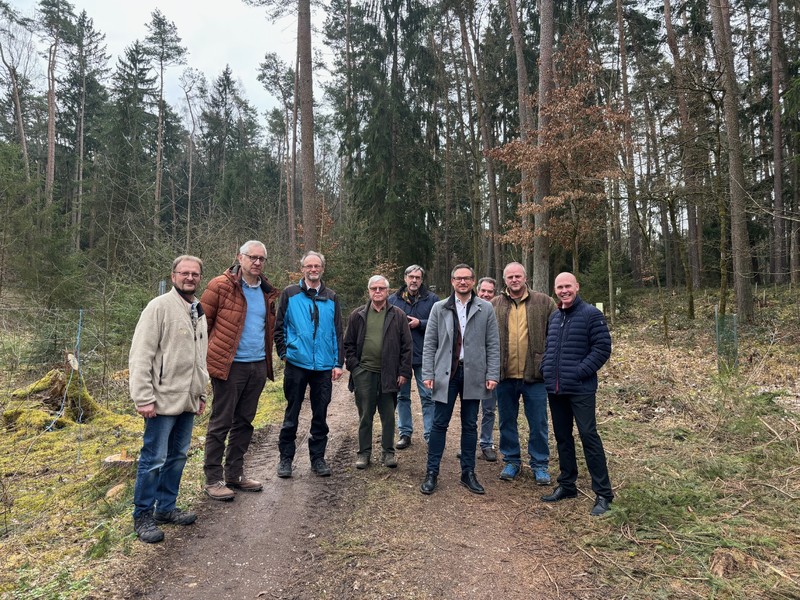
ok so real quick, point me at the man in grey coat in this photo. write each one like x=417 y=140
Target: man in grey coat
x=460 y=357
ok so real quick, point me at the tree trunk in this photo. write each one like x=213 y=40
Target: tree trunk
x=50 y=174
x=306 y=93
x=779 y=235
x=486 y=141
x=525 y=116
x=159 y=153
x=634 y=234
x=540 y=278
x=15 y=95
x=740 y=244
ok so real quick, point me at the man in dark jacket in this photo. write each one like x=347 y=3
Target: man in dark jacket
x=377 y=348
x=578 y=345
x=240 y=308
x=416 y=301
x=308 y=336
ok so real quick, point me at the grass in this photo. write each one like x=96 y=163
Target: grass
x=58 y=526
x=706 y=467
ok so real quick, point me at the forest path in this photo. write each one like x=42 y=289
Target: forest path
x=371 y=533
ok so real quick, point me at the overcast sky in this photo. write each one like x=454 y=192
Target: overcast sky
x=215 y=32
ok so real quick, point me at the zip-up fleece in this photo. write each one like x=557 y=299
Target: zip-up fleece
x=167 y=361
x=308 y=328
x=578 y=345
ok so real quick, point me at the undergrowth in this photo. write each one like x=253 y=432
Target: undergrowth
x=59 y=522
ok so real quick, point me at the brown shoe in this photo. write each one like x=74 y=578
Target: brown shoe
x=245 y=484
x=219 y=491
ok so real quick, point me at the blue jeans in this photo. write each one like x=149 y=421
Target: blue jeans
x=441 y=419
x=488 y=406
x=534 y=397
x=161 y=462
x=404 y=423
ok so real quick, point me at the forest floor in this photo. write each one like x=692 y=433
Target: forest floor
x=370 y=533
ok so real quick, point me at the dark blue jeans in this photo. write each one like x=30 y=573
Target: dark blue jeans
x=442 y=414
x=534 y=400
x=161 y=461
x=295 y=381
x=564 y=408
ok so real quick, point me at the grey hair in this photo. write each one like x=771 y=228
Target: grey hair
x=375 y=279
x=413 y=268
x=483 y=280
x=188 y=257
x=515 y=264
x=312 y=253
x=247 y=245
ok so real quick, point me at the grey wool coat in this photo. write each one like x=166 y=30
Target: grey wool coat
x=481 y=348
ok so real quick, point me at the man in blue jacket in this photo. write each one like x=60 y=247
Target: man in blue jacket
x=416 y=301
x=308 y=337
x=578 y=345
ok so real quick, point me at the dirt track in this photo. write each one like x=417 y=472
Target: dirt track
x=371 y=534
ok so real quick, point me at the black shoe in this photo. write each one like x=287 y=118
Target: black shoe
x=429 y=485
x=489 y=454
x=404 y=442
x=285 y=468
x=601 y=506
x=174 y=517
x=560 y=493
x=321 y=468
x=145 y=527
x=469 y=481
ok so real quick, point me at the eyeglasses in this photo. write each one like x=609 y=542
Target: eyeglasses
x=188 y=274
x=467 y=278
x=256 y=259
x=378 y=289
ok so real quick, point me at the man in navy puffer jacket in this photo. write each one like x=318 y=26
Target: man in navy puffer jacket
x=578 y=345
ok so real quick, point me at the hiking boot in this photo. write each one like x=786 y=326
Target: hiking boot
x=362 y=460
x=245 y=484
x=509 y=472
x=219 y=491
x=285 y=468
x=489 y=453
x=542 y=476
x=389 y=460
x=145 y=527
x=320 y=467
x=175 y=517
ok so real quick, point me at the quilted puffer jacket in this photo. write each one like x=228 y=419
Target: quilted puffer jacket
x=225 y=306
x=578 y=344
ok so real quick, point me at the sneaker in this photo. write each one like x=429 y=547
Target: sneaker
x=509 y=472
x=403 y=443
x=320 y=467
x=285 y=468
x=362 y=460
x=245 y=484
x=175 y=517
x=145 y=527
x=220 y=491
x=542 y=476
x=389 y=460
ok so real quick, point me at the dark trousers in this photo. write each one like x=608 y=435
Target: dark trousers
x=232 y=412
x=368 y=398
x=564 y=408
x=442 y=413
x=295 y=381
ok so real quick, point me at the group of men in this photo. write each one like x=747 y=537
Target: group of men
x=488 y=349
x=228 y=335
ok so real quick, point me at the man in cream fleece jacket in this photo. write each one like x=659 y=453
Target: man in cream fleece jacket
x=167 y=379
